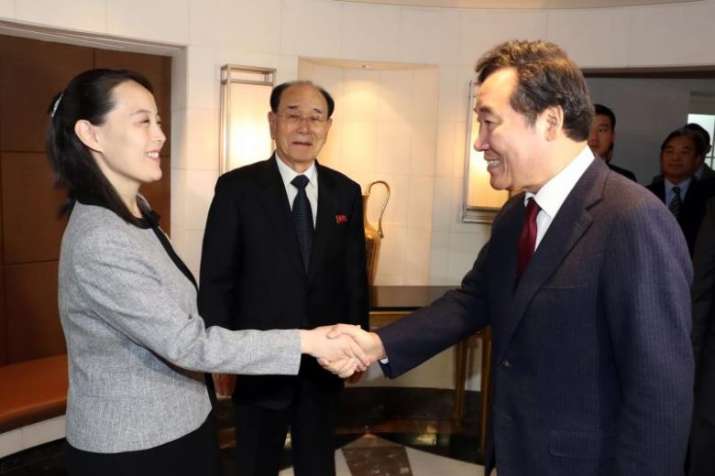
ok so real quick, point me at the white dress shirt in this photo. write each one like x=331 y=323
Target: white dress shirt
x=553 y=193
x=311 y=190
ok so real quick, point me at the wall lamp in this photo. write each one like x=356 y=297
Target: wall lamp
x=244 y=133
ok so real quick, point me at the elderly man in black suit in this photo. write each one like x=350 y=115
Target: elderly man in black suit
x=592 y=365
x=284 y=248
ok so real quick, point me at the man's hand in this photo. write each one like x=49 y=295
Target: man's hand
x=370 y=342
x=355 y=378
x=343 y=368
x=341 y=348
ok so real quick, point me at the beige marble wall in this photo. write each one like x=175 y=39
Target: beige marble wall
x=384 y=128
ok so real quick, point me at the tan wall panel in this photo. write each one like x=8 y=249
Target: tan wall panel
x=31 y=73
x=30 y=205
x=33 y=329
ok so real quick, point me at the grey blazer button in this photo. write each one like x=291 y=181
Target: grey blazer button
x=506 y=364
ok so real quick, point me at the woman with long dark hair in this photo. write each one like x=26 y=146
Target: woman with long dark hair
x=135 y=341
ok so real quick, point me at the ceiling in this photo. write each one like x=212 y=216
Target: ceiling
x=537 y=4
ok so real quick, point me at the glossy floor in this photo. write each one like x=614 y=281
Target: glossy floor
x=371 y=455
x=381 y=432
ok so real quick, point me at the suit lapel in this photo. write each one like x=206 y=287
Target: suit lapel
x=275 y=201
x=325 y=220
x=692 y=196
x=571 y=222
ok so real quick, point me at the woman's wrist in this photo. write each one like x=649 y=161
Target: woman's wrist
x=306 y=341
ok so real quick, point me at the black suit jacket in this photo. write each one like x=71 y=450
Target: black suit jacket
x=625 y=172
x=692 y=210
x=704 y=316
x=592 y=364
x=708 y=173
x=252 y=275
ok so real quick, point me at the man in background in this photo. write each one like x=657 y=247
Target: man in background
x=702 y=170
x=677 y=187
x=284 y=248
x=602 y=138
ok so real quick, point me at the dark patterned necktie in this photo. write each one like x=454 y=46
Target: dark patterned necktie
x=676 y=203
x=303 y=218
x=527 y=238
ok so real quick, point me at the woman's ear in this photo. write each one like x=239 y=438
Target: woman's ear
x=87 y=133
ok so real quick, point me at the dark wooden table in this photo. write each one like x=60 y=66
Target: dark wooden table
x=390 y=303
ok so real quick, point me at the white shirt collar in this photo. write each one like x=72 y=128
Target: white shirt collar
x=553 y=193
x=683 y=185
x=288 y=174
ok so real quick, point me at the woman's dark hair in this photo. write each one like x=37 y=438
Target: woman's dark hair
x=88 y=96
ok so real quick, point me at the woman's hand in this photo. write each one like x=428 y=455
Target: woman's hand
x=342 y=348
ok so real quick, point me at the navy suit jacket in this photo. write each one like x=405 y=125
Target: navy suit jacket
x=592 y=364
x=704 y=316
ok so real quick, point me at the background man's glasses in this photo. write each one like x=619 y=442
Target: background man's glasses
x=294 y=119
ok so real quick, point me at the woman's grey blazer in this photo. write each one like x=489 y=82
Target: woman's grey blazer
x=134 y=337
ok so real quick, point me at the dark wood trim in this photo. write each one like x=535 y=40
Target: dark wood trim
x=29 y=234
x=676 y=72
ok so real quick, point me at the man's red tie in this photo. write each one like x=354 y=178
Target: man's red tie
x=527 y=238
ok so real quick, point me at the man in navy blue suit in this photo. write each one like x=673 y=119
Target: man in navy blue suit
x=584 y=282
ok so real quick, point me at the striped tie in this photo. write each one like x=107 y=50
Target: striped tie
x=676 y=203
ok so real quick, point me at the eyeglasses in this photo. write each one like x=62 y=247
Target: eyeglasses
x=294 y=119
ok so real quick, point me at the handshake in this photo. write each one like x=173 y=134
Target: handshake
x=342 y=349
